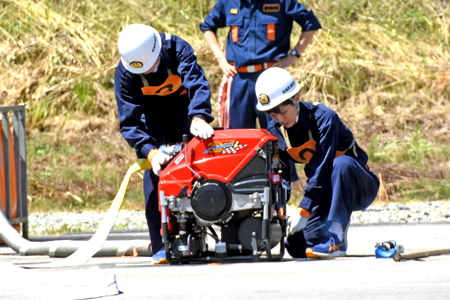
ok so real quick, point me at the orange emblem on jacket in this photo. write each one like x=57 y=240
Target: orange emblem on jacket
x=170 y=86
x=305 y=152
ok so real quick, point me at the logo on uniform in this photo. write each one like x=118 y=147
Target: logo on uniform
x=263 y=99
x=234 y=11
x=271 y=8
x=136 y=64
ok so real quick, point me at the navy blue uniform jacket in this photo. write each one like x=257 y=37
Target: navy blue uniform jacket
x=330 y=135
x=263 y=28
x=147 y=122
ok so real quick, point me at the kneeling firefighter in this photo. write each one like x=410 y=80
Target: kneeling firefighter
x=162 y=94
x=339 y=180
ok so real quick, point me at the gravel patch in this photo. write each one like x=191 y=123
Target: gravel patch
x=49 y=223
x=380 y=213
x=398 y=213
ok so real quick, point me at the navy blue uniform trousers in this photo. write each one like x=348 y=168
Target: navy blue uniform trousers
x=152 y=212
x=353 y=188
x=243 y=112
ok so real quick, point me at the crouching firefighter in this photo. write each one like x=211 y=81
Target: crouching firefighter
x=162 y=94
x=339 y=180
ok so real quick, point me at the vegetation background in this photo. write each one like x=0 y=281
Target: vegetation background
x=383 y=65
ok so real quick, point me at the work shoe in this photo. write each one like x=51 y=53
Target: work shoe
x=333 y=248
x=159 y=257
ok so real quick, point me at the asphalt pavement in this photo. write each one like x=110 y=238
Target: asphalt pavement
x=358 y=276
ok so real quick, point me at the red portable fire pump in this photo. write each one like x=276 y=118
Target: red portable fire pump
x=232 y=183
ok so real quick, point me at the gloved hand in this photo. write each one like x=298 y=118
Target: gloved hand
x=296 y=219
x=201 y=129
x=172 y=149
x=157 y=159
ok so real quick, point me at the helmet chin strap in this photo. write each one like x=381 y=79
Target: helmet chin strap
x=298 y=110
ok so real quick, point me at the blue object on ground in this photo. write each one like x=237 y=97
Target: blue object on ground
x=386 y=249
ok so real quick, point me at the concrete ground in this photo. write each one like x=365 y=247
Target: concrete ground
x=360 y=276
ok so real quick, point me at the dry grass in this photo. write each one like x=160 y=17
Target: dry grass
x=383 y=65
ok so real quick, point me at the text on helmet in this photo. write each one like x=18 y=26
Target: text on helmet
x=154 y=42
x=289 y=87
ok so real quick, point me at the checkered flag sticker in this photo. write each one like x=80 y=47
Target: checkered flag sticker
x=230 y=150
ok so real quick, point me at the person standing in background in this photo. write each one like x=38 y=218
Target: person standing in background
x=259 y=38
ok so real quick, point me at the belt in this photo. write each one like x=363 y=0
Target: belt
x=255 y=68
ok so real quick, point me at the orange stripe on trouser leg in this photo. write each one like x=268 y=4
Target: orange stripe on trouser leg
x=234 y=34
x=224 y=101
x=228 y=102
x=271 y=32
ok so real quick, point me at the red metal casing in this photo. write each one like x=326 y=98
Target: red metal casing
x=218 y=158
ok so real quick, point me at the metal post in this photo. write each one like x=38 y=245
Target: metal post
x=20 y=149
x=20 y=153
x=5 y=126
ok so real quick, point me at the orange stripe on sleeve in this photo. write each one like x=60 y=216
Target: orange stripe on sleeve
x=151 y=154
x=303 y=212
x=234 y=33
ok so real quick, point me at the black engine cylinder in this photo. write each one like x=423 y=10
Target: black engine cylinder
x=210 y=202
x=254 y=224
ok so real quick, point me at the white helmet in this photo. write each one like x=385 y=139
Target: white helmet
x=139 y=46
x=274 y=86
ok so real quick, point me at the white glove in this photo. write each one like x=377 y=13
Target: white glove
x=201 y=129
x=295 y=222
x=158 y=160
x=171 y=150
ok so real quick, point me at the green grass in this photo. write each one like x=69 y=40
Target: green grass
x=428 y=190
x=85 y=92
x=63 y=229
x=69 y=176
x=416 y=151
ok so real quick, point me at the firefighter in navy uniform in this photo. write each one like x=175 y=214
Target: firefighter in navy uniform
x=259 y=37
x=162 y=94
x=339 y=180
